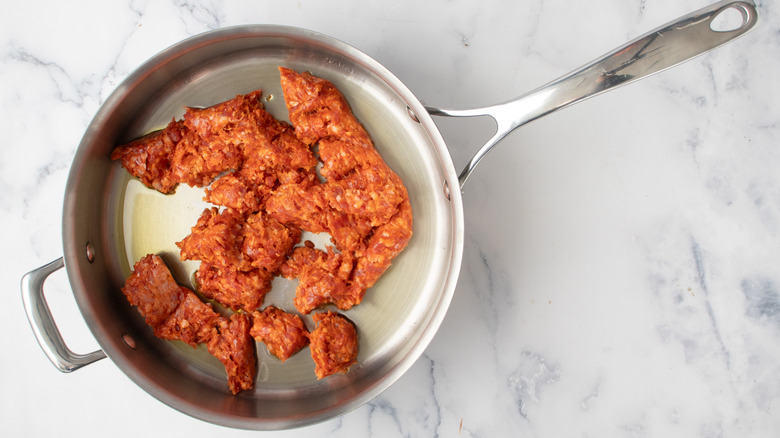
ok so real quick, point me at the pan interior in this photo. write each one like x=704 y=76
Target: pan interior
x=398 y=316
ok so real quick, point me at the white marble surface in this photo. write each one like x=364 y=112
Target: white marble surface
x=621 y=270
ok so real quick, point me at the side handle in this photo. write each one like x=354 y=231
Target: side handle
x=43 y=325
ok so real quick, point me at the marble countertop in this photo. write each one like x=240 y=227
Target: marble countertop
x=621 y=269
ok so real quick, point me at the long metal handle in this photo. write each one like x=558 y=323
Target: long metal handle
x=657 y=50
x=43 y=325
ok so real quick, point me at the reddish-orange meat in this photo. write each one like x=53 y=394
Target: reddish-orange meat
x=216 y=239
x=267 y=242
x=213 y=140
x=383 y=246
x=284 y=334
x=152 y=289
x=176 y=313
x=236 y=193
x=334 y=344
x=235 y=348
x=149 y=158
x=239 y=255
x=192 y=322
x=363 y=204
x=233 y=288
x=277 y=156
x=323 y=278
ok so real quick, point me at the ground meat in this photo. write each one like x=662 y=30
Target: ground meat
x=235 y=348
x=323 y=278
x=152 y=289
x=176 y=313
x=197 y=162
x=215 y=139
x=369 y=194
x=318 y=110
x=284 y=334
x=239 y=256
x=236 y=193
x=382 y=247
x=363 y=204
x=334 y=344
x=299 y=205
x=233 y=288
x=149 y=158
x=210 y=141
x=267 y=242
x=193 y=321
x=277 y=156
x=216 y=239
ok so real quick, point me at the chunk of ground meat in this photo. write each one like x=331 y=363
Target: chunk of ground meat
x=334 y=344
x=236 y=193
x=235 y=348
x=149 y=158
x=216 y=238
x=193 y=321
x=152 y=289
x=215 y=138
x=266 y=242
x=284 y=334
x=239 y=256
x=176 y=313
x=363 y=204
x=233 y=288
x=323 y=278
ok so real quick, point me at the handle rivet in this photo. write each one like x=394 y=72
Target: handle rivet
x=90 y=253
x=447 y=190
x=412 y=115
x=129 y=340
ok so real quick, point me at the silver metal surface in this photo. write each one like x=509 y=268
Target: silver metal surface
x=43 y=325
x=657 y=50
x=123 y=221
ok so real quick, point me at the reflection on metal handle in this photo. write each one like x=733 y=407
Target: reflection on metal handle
x=667 y=46
x=43 y=325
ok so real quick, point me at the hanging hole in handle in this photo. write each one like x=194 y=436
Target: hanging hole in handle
x=729 y=19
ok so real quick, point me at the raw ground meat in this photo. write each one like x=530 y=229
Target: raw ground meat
x=176 y=313
x=334 y=344
x=284 y=334
x=239 y=254
x=363 y=204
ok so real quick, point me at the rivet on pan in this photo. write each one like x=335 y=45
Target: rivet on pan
x=447 y=190
x=129 y=340
x=90 y=253
x=412 y=114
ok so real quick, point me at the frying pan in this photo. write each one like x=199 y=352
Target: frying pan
x=110 y=220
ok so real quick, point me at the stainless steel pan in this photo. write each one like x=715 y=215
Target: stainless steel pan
x=110 y=221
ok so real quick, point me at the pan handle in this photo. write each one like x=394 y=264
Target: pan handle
x=43 y=325
x=657 y=50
